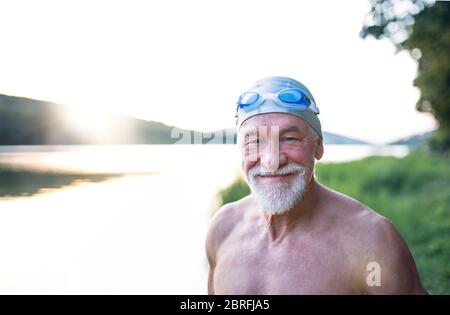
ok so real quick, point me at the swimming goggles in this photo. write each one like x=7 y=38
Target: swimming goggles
x=290 y=98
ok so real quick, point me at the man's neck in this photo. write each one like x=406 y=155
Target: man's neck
x=302 y=215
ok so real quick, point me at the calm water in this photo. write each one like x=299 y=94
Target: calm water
x=139 y=230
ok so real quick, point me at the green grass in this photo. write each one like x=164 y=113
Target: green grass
x=413 y=192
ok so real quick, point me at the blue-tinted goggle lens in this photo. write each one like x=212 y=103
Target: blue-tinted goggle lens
x=248 y=98
x=291 y=96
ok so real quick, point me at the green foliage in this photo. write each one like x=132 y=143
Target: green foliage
x=413 y=192
x=237 y=190
x=393 y=19
x=424 y=30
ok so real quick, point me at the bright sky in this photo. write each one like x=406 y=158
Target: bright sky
x=185 y=62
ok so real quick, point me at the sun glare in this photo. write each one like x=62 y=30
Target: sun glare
x=92 y=126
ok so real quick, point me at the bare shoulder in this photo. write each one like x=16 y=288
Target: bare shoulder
x=388 y=251
x=350 y=213
x=223 y=222
x=374 y=241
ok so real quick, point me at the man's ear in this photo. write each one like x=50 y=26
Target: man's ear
x=319 y=149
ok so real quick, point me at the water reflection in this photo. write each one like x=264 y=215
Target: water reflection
x=137 y=233
x=17 y=182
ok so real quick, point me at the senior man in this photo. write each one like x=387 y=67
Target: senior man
x=293 y=235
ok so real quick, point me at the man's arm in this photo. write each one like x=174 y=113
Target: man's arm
x=389 y=259
x=211 y=260
x=211 y=280
x=219 y=228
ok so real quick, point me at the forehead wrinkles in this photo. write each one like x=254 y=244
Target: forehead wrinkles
x=273 y=119
x=264 y=130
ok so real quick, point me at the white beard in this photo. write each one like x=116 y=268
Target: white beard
x=280 y=197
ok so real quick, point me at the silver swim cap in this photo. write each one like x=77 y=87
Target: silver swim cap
x=264 y=105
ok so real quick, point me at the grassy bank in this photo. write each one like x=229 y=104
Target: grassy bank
x=413 y=192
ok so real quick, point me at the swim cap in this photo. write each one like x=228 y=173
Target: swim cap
x=275 y=85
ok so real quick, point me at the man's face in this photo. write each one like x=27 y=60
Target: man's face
x=278 y=153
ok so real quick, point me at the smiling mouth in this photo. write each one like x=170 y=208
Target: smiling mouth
x=275 y=175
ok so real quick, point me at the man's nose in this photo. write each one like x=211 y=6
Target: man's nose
x=270 y=157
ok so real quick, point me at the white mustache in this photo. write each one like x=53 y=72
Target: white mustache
x=281 y=196
x=285 y=170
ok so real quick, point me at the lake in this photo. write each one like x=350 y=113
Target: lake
x=120 y=219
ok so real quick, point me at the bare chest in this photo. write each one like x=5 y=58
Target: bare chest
x=250 y=265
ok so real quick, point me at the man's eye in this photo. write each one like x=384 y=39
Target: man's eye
x=291 y=139
x=254 y=141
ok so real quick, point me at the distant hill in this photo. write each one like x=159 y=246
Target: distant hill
x=413 y=140
x=332 y=138
x=25 y=121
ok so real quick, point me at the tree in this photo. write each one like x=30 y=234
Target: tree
x=422 y=28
